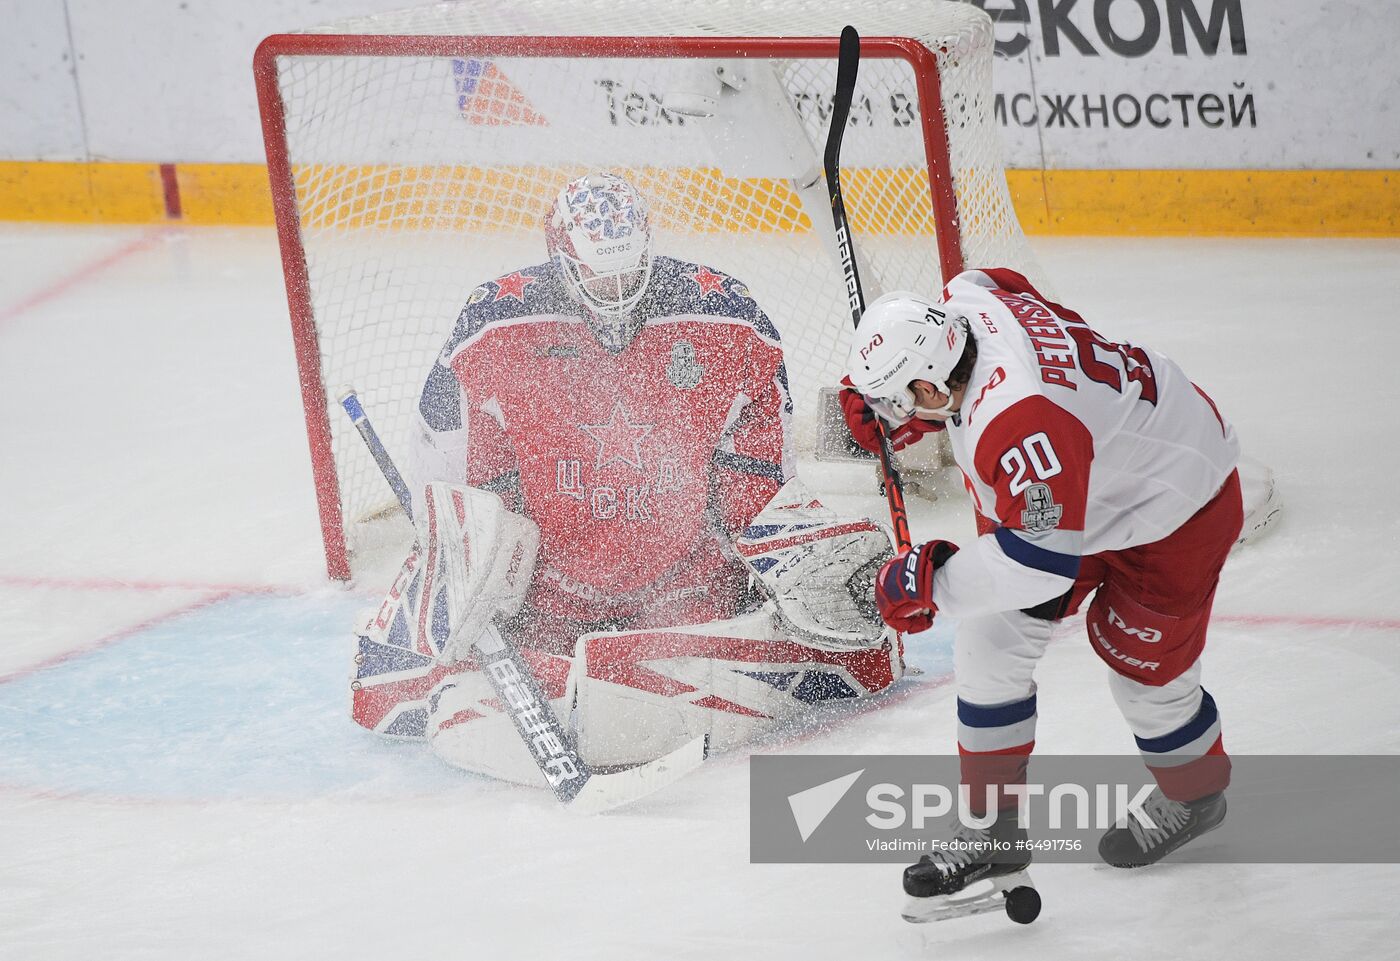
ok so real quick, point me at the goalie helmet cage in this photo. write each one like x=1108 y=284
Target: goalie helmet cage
x=412 y=156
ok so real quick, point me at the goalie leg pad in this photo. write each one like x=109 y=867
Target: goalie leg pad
x=480 y=558
x=389 y=688
x=640 y=694
x=467 y=728
x=818 y=568
x=394 y=669
x=473 y=561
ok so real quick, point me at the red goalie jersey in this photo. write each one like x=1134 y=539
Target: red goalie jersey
x=638 y=465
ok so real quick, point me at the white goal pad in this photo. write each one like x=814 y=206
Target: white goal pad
x=638 y=695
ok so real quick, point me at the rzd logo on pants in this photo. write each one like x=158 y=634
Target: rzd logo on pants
x=1141 y=643
x=1148 y=635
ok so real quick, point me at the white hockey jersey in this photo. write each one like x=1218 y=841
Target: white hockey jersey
x=1069 y=445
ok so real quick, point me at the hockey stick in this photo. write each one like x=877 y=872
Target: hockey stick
x=556 y=754
x=847 y=66
x=351 y=404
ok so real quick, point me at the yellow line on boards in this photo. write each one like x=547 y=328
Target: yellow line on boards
x=1314 y=203
x=225 y=193
x=1264 y=203
x=81 y=192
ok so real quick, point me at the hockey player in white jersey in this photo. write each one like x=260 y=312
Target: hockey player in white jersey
x=1094 y=468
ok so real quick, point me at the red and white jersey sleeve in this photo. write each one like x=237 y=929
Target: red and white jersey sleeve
x=1070 y=445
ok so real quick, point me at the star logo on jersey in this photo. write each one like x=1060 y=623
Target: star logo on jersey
x=709 y=281
x=513 y=285
x=618 y=438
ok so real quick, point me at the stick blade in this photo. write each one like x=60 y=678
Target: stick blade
x=603 y=792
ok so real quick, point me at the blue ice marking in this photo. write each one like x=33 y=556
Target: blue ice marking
x=245 y=698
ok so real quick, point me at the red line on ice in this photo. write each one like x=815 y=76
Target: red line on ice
x=85 y=272
x=101 y=642
x=1305 y=620
x=215 y=592
x=124 y=584
x=287 y=590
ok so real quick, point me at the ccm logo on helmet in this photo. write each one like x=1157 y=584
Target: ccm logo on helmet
x=875 y=341
x=615 y=248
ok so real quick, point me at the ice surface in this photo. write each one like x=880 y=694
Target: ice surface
x=178 y=778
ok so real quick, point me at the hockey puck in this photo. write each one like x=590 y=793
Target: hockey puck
x=1023 y=905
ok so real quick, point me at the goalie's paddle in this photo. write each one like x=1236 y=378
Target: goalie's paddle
x=551 y=745
x=847 y=66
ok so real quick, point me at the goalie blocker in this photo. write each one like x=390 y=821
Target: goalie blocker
x=631 y=694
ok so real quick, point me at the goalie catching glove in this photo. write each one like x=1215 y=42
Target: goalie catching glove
x=860 y=420
x=904 y=586
x=817 y=567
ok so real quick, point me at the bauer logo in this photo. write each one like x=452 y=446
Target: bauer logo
x=894 y=809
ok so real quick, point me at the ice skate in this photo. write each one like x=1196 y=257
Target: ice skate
x=1133 y=844
x=975 y=871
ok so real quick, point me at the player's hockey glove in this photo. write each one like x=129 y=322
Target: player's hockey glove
x=904 y=586
x=861 y=421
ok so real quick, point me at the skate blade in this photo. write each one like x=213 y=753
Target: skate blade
x=982 y=898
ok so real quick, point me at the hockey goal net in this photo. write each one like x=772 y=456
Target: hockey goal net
x=412 y=156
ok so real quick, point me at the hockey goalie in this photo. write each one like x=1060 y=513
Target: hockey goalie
x=601 y=472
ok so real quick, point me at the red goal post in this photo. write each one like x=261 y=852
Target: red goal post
x=389 y=182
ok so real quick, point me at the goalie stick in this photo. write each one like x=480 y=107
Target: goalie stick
x=572 y=780
x=847 y=67
x=352 y=406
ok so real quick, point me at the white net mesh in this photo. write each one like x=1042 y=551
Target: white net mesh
x=417 y=177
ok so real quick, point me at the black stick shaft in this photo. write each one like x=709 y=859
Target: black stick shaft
x=847 y=68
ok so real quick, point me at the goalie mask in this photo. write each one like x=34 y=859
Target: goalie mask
x=902 y=338
x=599 y=236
